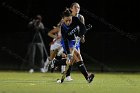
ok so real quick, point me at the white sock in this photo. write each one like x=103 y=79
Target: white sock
x=46 y=64
x=63 y=68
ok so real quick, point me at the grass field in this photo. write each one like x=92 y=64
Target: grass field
x=24 y=82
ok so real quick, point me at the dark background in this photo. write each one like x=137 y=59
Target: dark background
x=112 y=44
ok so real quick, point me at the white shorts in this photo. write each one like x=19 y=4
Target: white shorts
x=55 y=46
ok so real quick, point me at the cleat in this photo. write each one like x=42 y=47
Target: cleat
x=90 y=78
x=46 y=69
x=42 y=70
x=31 y=70
x=68 y=78
x=62 y=80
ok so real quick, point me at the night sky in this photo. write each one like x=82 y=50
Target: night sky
x=114 y=38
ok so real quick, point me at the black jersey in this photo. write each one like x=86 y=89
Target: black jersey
x=68 y=32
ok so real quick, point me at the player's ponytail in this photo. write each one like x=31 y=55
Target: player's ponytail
x=66 y=13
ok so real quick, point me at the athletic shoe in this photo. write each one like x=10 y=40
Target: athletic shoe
x=68 y=78
x=46 y=69
x=90 y=78
x=31 y=70
x=42 y=70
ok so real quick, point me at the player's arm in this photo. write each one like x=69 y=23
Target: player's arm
x=65 y=38
x=81 y=25
x=82 y=19
x=53 y=32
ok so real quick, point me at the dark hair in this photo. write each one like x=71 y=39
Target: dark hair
x=39 y=17
x=66 y=13
x=73 y=4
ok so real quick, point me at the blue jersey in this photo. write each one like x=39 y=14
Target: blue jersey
x=71 y=44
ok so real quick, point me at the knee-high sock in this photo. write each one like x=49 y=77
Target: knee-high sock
x=82 y=68
x=46 y=64
x=68 y=71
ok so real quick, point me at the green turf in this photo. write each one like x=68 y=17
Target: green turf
x=24 y=82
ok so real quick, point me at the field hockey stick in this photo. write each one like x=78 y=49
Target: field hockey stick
x=77 y=39
x=88 y=27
